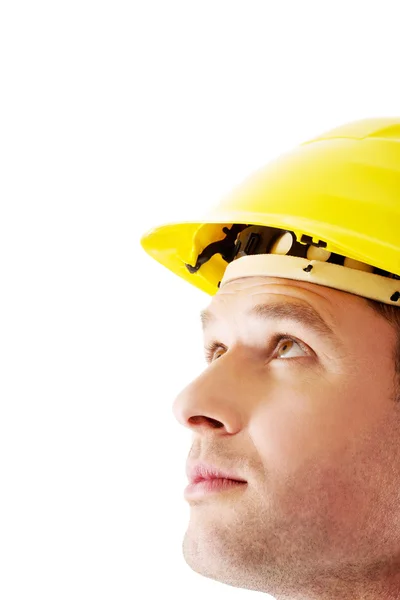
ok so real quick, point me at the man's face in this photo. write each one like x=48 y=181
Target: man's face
x=309 y=422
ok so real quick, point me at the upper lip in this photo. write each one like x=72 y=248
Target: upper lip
x=202 y=471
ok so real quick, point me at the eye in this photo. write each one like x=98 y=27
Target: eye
x=212 y=351
x=289 y=348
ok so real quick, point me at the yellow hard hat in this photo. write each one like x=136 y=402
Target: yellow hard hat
x=328 y=213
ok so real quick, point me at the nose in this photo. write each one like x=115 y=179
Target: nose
x=211 y=401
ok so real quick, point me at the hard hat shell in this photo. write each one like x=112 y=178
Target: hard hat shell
x=341 y=189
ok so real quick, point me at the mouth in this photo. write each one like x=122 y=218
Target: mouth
x=204 y=472
x=205 y=487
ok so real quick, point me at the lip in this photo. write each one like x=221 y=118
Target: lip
x=211 y=486
x=200 y=472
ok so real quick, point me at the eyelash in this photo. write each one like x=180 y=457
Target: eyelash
x=279 y=337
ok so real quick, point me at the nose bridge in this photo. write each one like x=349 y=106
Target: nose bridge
x=216 y=395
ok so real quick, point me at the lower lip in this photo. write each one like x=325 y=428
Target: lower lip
x=209 y=486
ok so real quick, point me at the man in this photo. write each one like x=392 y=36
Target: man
x=295 y=462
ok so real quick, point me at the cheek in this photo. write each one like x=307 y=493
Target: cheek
x=297 y=424
x=311 y=417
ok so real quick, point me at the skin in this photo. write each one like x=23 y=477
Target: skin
x=314 y=432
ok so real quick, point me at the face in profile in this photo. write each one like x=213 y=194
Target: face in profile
x=298 y=399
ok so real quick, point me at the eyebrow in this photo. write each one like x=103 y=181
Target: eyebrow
x=288 y=311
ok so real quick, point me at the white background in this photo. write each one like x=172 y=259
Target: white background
x=116 y=117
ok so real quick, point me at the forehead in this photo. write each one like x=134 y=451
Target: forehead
x=323 y=309
x=241 y=293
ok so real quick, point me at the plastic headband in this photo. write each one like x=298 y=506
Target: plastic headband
x=253 y=250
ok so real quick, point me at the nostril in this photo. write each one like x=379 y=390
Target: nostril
x=200 y=419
